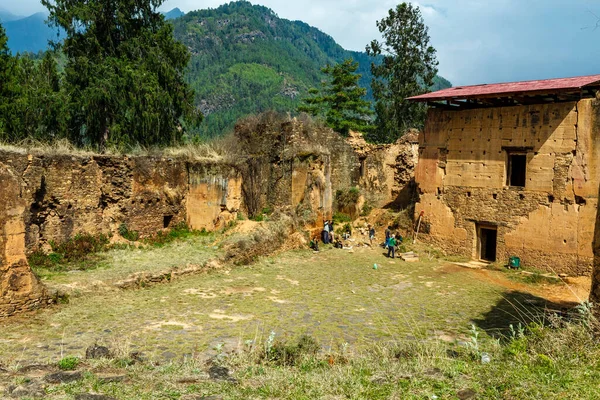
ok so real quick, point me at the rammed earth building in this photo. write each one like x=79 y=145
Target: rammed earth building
x=512 y=169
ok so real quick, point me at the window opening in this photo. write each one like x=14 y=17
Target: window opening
x=516 y=169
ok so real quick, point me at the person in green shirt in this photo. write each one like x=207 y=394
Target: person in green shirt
x=392 y=246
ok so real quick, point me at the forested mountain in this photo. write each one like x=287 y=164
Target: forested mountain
x=31 y=34
x=245 y=59
x=173 y=14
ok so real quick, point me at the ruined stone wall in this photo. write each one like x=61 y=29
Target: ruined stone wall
x=386 y=172
x=311 y=167
x=20 y=290
x=214 y=196
x=65 y=195
x=462 y=180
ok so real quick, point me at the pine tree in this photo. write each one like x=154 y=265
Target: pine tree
x=340 y=101
x=8 y=88
x=124 y=72
x=407 y=69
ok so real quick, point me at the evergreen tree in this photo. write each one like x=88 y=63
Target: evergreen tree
x=340 y=101
x=8 y=88
x=42 y=101
x=407 y=68
x=124 y=72
x=32 y=103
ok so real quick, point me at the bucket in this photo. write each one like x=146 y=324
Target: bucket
x=514 y=262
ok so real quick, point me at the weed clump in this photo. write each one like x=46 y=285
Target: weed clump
x=291 y=354
x=128 y=234
x=68 y=363
x=178 y=232
x=81 y=246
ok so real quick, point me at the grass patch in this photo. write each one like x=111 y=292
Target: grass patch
x=128 y=234
x=552 y=362
x=77 y=253
x=180 y=231
x=341 y=218
x=68 y=363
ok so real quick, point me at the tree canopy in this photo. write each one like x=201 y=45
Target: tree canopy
x=32 y=102
x=340 y=101
x=408 y=68
x=124 y=72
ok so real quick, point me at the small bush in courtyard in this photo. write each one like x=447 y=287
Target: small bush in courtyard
x=291 y=354
x=80 y=246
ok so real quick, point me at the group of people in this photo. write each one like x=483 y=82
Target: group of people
x=327 y=234
x=328 y=237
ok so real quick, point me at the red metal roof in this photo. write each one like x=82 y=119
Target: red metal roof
x=498 y=89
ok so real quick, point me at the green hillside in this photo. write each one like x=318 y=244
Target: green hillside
x=245 y=59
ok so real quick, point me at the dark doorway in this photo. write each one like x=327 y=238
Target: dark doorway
x=517 y=167
x=488 y=237
x=167 y=221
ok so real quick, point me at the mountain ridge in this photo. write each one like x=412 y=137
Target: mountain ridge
x=245 y=59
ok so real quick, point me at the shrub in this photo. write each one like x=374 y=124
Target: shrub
x=347 y=227
x=347 y=197
x=68 y=363
x=366 y=209
x=39 y=259
x=291 y=354
x=179 y=231
x=130 y=235
x=340 y=218
x=79 y=247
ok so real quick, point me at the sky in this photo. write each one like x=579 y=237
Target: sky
x=477 y=41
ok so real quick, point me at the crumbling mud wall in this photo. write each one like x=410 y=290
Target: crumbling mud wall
x=463 y=182
x=386 y=172
x=20 y=290
x=214 y=196
x=65 y=195
x=283 y=164
x=303 y=166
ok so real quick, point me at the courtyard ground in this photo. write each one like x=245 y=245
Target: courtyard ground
x=335 y=296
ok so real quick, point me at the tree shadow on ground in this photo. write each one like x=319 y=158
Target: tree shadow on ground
x=520 y=308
